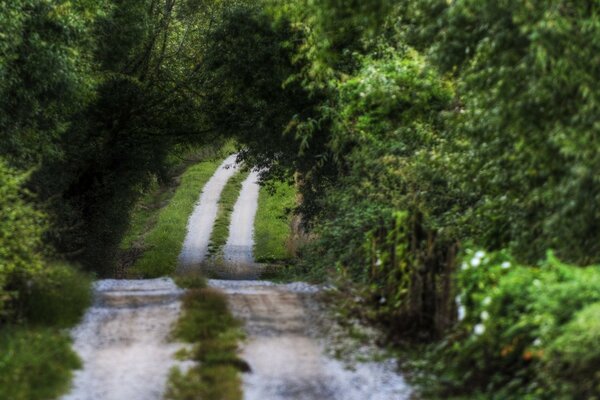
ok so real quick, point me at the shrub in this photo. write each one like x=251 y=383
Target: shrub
x=21 y=229
x=572 y=359
x=57 y=297
x=526 y=72
x=375 y=226
x=36 y=364
x=519 y=326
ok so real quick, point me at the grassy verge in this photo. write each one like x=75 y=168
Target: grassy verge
x=207 y=324
x=272 y=224
x=162 y=243
x=156 y=196
x=36 y=359
x=228 y=198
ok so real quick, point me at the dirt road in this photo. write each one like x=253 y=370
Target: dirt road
x=124 y=337
x=124 y=341
x=200 y=224
x=287 y=352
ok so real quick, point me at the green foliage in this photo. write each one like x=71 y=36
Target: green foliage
x=574 y=354
x=248 y=92
x=56 y=297
x=529 y=99
x=36 y=300
x=45 y=73
x=36 y=364
x=207 y=324
x=385 y=125
x=522 y=331
x=272 y=226
x=21 y=229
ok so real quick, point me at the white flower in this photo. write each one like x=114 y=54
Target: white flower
x=382 y=300
x=487 y=301
x=378 y=262
x=462 y=313
x=475 y=262
x=480 y=254
x=485 y=316
x=537 y=342
x=479 y=329
x=505 y=265
x=464 y=266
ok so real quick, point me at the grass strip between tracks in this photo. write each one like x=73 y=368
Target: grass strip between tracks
x=207 y=324
x=229 y=195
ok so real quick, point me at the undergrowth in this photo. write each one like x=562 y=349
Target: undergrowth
x=36 y=358
x=35 y=363
x=523 y=332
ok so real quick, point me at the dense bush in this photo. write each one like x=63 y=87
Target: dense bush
x=573 y=357
x=36 y=364
x=37 y=301
x=57 y=296
x=527 y=75
x=45 y=73
x=21 y=229
x=524 y=332
x=385 y=123
x=30 y=288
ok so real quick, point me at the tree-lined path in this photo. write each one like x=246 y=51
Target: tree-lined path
x=124 y=338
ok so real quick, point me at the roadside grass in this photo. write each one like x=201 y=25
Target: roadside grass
x=160 y=191
x=229 y=195
x=272 y=227
x=208 y=325
x=36 y=358
x=162 y=243
x=144 y=215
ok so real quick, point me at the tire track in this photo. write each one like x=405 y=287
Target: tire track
x=202 y=220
